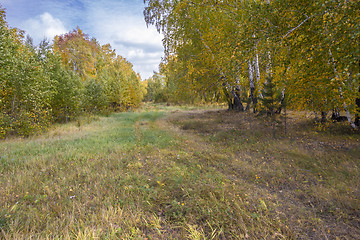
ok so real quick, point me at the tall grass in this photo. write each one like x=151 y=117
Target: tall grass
x=137 y=176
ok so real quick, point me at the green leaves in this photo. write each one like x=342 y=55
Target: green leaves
x=209 y=44
x=43 y=84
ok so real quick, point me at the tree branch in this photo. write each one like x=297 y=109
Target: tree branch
x=293 y=29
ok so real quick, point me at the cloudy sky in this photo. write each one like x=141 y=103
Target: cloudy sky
x=118 y=22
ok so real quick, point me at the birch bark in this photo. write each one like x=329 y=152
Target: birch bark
x=341 y=91
x=252 y=87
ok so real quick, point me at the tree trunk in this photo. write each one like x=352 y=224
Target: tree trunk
x=357 y=101
x=357 y=117
x=252 y=97
x=228 y=97
x=236 y=93
x=234 y=101
x=323 y=117
x=237 y=105
x=268 y=65
x=341 y=92
x=282 y=100
x=257 y=72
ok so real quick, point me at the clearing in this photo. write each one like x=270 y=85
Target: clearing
x=182 y=173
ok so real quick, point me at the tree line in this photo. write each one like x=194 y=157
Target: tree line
x=261 y=54
x=59 y=81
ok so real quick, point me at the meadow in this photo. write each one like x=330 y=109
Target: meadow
x=167 y=172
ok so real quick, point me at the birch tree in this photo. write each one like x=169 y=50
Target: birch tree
x=219 y=44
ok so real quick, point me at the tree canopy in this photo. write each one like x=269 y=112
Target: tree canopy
x=58 y=82
x=310 y=49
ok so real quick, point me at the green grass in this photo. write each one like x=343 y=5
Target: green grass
x=179 y=173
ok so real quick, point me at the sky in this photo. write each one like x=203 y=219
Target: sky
x=118 y=22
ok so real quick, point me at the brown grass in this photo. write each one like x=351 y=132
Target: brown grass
x=309 y=176
x=193 y=174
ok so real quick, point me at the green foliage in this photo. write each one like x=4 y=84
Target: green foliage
x=25 y=88
x=156 y=89
x=311 y=49
x=271 y=97
x=66 y=89
x=48 y=83
x=94 y=98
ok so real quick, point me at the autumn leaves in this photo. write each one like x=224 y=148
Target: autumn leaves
x=58 y=82
x=211 y=48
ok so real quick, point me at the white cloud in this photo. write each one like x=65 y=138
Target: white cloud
x=118 y=22
x=44 y=26
x=128 y=34
x=141 y=45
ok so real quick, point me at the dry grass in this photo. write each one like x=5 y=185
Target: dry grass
x=194 y=174
x=310 y=176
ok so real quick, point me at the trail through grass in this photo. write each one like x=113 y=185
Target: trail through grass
x=166 y=173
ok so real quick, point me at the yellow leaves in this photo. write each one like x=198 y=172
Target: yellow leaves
x=161 y=184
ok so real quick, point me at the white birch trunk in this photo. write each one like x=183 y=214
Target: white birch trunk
x=251 y=75
x=252 y=98
x=268 y=65
x=257 y=68
x=257 y=72
x=341 y=92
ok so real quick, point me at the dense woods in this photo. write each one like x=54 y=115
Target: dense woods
x=58 y=81
x=261 y=55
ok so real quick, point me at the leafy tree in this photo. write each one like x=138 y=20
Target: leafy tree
x=25 y=94
x=270 y=97
x=78 y=53
x=156 y=89
x=47 y=83
x=308 y=48
x=66 y=87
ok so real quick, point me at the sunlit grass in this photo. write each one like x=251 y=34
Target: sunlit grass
x=211 y=176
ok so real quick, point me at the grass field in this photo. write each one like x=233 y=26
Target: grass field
x=182 y=173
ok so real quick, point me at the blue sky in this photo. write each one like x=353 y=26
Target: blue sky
x=118 y=22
